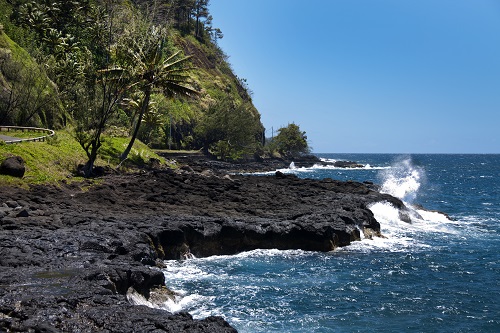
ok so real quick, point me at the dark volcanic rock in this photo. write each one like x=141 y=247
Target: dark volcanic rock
x=199 y=163
x=72 y=255
x=347 y=164
x=13 y=166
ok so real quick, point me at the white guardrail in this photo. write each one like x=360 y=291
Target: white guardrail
x=11 y=140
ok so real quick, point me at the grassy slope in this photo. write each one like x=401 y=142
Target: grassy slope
x=213 y=74
x=11 y=52
x=57 y=159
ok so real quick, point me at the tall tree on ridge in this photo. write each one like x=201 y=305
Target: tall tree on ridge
x=183 y=10
x=200 y=11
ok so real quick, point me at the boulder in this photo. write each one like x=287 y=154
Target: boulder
x=13 y=166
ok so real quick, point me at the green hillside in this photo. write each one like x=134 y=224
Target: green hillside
x=129 y=70
x=27 y=95
x=89 y=66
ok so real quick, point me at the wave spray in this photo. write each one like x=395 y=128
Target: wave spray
x=402 y=180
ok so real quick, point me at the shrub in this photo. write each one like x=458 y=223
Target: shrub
x=291 y=141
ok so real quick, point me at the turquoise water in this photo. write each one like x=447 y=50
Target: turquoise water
x=435 y=275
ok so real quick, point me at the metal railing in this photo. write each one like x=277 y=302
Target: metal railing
x=12 y=140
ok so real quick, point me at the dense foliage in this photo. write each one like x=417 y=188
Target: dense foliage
x=150 y=69
x=27 y=96
x=229 y=130
x=290 y=141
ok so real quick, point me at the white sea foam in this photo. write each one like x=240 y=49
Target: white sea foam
x=403 y=180
x=180 y=269
x=327 y=160
x=137 y=299
x=190 y=266
x=315 y=167
x=180 y=302
x=401 y=236
x=187 y=270
x=332 y=167
x=201 y=273
x=267 y=253
x=435 y=217
x=293 y=169
x=421 y=220
x=186 y=302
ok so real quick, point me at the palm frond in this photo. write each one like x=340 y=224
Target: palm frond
x=167 y=64
x=178 y=89
x=172 y=56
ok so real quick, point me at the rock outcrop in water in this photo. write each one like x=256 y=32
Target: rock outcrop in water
x=69 y=255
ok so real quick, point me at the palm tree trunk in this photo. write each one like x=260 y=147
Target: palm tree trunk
x=144 y=109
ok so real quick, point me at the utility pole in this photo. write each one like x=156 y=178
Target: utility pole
x=170 y=135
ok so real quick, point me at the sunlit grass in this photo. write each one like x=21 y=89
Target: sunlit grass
x=23 y=134
x=58 y=158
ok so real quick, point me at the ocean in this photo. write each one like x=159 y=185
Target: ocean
x=437 y=274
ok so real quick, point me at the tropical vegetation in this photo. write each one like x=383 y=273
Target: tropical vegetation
x=147 y=70
x=290 y=141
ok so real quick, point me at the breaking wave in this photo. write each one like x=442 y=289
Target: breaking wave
x=427 y=275
x=402 y=180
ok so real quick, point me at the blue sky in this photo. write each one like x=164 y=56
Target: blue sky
x=371 y=76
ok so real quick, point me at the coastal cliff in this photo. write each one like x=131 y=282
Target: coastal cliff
x=77 y=253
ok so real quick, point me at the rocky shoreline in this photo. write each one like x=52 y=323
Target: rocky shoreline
x=74 y=257
x=199 y=162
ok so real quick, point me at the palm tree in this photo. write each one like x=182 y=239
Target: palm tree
x=152 y=72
